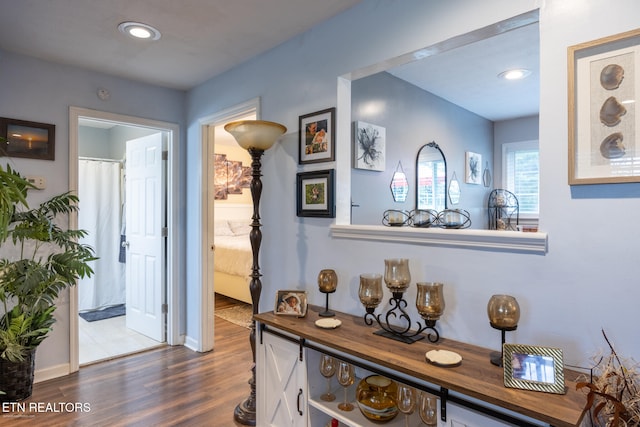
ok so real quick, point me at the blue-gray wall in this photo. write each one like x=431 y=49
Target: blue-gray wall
x=39 y=91
x=587 y=280
x=584 y=283
x=413 y=117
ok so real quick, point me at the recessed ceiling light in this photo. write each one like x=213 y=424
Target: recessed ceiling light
x=139 y=30
x=515 y=74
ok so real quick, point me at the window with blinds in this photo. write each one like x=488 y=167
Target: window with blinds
x=521 y=174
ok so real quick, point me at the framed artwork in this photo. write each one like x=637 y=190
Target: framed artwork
x=315 y=194
x=291 y=303
x=603 y=122
x=473 y=162
x=30 y=140
x=317 y=135
x=533 y=368
x=369 y=146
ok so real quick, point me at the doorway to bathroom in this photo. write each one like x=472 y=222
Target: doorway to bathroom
x=123 y=184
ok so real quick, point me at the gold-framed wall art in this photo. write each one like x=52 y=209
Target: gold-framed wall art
x=603 y=90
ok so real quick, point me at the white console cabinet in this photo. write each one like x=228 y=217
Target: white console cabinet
x=288 y=381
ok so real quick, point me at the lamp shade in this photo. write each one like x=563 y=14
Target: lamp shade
x=258 y=134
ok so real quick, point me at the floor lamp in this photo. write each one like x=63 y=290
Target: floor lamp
x=255 y=136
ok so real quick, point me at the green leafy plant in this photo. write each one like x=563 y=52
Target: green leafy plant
x=40 y=259
x=613 y=390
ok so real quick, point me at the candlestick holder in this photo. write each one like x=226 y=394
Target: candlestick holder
x=430 y=305
x=327 y=282
x=504 y=314
x=397 y=278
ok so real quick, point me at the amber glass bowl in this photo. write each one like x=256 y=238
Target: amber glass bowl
x=376 y=396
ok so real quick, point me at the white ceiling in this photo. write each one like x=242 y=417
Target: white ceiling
x=200 y=38
x=204 y=38
x=468 y=75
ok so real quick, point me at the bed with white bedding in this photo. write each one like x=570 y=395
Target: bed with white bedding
x=232 y=259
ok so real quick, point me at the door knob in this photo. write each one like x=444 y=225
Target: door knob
x=125 y=245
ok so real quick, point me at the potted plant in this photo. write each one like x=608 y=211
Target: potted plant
x=38 y=260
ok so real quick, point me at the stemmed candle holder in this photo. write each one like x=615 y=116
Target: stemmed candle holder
x=504 y=314
x=430 y=303
x=327 y=282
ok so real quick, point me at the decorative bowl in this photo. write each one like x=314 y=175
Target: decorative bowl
x=376 y=397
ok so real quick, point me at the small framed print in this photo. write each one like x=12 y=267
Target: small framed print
x=317 y=136
x=473 y=162
x=533 y=368
x=603 y=121
x=369 y=146
x=315 y=194
x=30 y=140
x=291 y=303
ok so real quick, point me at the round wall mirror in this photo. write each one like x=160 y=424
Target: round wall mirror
x=431 y=178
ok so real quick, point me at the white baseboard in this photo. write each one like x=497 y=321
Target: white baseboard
x=51 y=372
x=191 y=343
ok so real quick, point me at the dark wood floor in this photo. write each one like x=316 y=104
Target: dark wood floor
x=168 y=386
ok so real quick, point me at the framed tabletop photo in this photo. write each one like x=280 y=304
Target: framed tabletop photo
x=291 y=303
x=315 y=194
x=534 y=368
x=317 y=133
x=603 y=121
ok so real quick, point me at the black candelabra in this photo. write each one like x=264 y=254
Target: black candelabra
x=400 y=333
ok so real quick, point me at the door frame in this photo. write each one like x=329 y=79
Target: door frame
x=207 y=296
x=173 y=242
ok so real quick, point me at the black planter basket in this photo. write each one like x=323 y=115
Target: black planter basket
x=16 y=378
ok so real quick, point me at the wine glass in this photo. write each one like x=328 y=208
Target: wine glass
x=406 y=401
x=427 y=409
x=327 y=369
x=346 y=377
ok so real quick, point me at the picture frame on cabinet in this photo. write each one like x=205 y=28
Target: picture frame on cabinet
x=291 y=303
x=31 y=140
x=534 y=368
x=315 y=194
x=317 y=135
x=369 y=146
x=603 y=120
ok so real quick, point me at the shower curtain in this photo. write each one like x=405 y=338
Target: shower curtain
x=100 y=210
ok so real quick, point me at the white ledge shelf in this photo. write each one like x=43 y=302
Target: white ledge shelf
x=488 y=240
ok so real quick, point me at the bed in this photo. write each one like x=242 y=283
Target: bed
x=232 y=260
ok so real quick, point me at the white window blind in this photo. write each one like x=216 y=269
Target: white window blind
x=521 y=174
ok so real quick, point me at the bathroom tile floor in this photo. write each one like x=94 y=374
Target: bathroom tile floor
x=109 y=338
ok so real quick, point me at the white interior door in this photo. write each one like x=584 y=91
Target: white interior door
x=145 y=221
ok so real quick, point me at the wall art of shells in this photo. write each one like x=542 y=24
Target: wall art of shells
x=613 y=125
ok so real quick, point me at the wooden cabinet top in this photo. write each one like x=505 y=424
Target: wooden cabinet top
x=475 y=376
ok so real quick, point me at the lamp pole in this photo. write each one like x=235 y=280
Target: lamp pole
x=255 y=136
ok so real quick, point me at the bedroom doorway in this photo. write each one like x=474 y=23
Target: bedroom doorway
x=228 y=215
x=98 y=171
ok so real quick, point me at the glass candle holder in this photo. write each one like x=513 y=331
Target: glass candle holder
x=327 y=283
x=503 y=312
x=430 y=301
x=370 y=291
x=396 y=274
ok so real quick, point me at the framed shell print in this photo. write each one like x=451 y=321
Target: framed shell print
x=603 y=119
